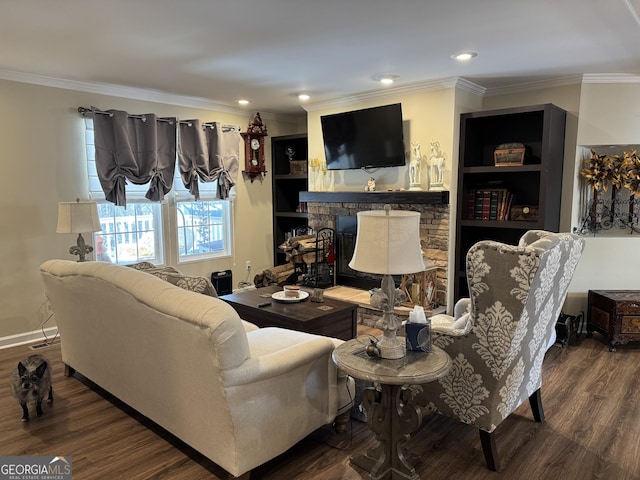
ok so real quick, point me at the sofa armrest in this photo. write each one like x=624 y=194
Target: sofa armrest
x=276 y=351
x=248 y=326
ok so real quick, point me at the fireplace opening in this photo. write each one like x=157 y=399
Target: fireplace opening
x=346 y=231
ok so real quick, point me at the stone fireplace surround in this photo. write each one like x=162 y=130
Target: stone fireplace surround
x=324 y=207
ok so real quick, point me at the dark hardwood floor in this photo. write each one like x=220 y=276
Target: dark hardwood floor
x=591 y=399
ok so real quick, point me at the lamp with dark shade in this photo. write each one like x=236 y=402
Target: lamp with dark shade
x=78 y=217
x=388 y=243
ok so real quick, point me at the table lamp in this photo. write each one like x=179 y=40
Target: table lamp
x=388 y=243
x=78 y=217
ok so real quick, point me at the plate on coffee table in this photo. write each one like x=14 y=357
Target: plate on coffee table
x=280 y=296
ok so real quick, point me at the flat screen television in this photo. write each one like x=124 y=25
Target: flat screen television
x=367 y=138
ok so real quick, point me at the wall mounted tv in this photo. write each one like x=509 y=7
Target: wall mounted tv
x=368 y=138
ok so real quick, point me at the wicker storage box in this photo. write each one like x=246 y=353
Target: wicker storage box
x=509 y=154
x=298 y=167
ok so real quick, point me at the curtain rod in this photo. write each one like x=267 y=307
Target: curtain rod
x=89 y=111
x=226 y=128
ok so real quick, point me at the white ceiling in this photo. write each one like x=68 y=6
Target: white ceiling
x=268 y=50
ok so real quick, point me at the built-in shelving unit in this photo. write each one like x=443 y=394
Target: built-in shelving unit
x=288 y=212
x=535 y=185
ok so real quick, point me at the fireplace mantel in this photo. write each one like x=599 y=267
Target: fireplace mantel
x=410 y=197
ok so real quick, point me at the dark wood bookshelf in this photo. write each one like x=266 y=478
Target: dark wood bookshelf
x=536 y=183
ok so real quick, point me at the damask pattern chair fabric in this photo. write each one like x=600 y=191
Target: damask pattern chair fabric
x=208 y=152
x=517 y=293
x=137 y=148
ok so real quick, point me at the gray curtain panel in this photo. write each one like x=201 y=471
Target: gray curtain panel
x=208 y=152
x=138 y=148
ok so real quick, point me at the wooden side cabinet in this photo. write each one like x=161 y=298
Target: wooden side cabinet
x=616 y=314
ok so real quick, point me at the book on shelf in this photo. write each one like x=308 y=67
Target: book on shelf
x=488 y=204
x=470 y=205
x=477 y=208
x=493 y=205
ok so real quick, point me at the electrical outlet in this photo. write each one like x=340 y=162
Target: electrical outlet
x=248 y=264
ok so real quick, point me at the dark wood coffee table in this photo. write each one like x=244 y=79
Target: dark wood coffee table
x=332 y=318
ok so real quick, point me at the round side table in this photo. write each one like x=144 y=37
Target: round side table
x=392 y=413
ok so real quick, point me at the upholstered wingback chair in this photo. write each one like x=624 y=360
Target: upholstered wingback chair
x=502 y=332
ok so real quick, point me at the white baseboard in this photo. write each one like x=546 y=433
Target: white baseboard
x=27 y=337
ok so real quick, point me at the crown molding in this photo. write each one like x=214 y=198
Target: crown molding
x=535 y=85
x=133 y=93
x=430 y=85
x=469 y=86
x=610 y=78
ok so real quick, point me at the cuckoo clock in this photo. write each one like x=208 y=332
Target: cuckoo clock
x=254 y=148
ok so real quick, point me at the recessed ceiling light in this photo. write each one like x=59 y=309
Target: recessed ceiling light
x=242 y=101
x=303 y=96
x=464 y=56
x=386 y=79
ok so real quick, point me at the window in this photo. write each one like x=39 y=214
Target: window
x=129 y=234
x=202 y=229
x=134 y=234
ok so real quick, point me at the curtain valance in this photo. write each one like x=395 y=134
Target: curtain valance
x=208 y=152
x=138 y=148
x=142 y=149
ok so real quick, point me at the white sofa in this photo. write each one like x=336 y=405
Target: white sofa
x=238 y=394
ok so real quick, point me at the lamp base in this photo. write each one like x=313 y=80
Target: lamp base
x=80 y=249
x=390 y=347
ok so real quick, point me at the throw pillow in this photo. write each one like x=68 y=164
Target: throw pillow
x=174 y=276
x=142 y=266
x=188 y=282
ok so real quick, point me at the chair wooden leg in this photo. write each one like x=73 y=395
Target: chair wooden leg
x=535 y=400
x=488 y=442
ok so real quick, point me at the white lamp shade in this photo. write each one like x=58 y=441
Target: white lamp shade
x=78 y=217
x=388 y=243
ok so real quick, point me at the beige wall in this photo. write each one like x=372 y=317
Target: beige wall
x=609 y=115
x=428 y=116
x=44 y=162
